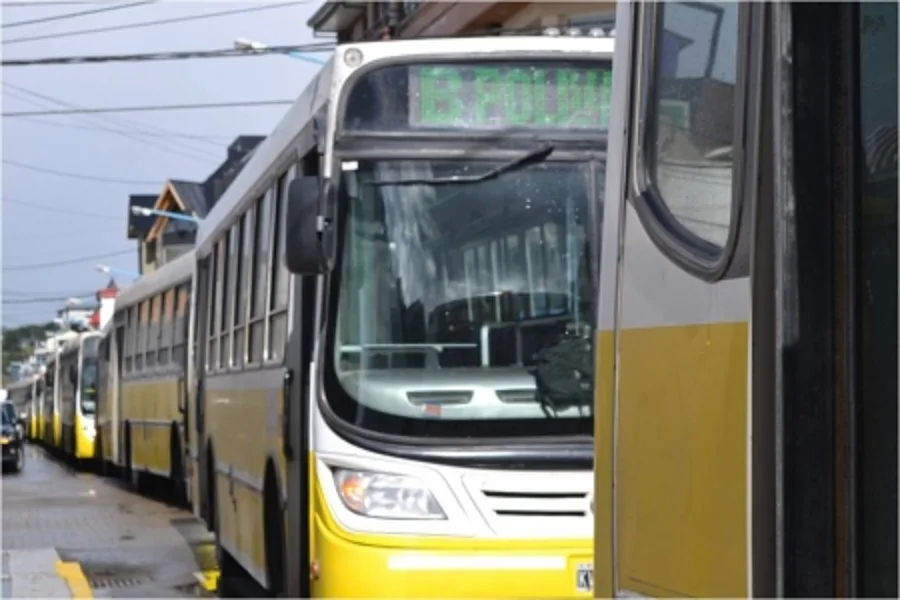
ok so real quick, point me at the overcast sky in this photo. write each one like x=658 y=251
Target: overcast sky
x=77 y=144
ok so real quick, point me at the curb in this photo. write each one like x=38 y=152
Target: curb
x=74 y=577
x=208 y=580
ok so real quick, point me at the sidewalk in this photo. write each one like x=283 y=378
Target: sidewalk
x=41 y=574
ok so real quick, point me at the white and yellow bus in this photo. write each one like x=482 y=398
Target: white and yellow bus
x=746 y=348
x=143 y=393
x=78 y=387
x=51 y=429
x=386 y=421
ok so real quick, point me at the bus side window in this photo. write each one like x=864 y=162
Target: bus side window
x=686 y=168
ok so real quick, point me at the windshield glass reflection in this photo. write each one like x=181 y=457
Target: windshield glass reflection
x=466 y=302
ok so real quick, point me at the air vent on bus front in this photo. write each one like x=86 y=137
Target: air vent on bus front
x=439 y=397
x=537 y=504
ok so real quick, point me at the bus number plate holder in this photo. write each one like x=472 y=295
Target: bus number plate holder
x=584 y=577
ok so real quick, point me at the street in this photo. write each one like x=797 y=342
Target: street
x=58 y=524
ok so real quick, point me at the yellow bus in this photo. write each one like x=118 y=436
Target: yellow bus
x=143 y=396
x=78 y=379
x=746 y=348
x=386 y=421
x=51 y=430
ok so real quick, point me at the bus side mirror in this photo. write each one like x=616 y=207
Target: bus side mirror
x=309 y=243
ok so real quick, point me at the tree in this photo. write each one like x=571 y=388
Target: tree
x=19 y=342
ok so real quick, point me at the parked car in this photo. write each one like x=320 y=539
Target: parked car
x=13 y=443
x=9 y=410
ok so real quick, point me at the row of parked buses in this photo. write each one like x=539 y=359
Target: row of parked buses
x=492 y=319
x=58 y=406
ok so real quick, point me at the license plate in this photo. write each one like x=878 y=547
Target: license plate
x=584 y=577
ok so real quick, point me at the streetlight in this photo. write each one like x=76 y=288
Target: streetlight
x=251 y=46
x=143 y=211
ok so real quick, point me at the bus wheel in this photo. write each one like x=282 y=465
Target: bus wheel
x=273 y=522
x=176 y=476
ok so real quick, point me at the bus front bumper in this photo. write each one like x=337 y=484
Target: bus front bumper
x=513 y=568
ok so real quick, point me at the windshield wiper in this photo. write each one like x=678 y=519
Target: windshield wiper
x=532 y=157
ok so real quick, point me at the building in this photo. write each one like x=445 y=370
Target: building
x=358 y=21
x=107 y=299
x=162 y=239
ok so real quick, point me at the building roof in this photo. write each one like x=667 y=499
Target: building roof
x=191 y=196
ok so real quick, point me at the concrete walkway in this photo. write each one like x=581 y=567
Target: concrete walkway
x=40 y=573
x=77 y=535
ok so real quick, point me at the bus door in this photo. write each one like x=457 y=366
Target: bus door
x=836 y=515
x=202 y=317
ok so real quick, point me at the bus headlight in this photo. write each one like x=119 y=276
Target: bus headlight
x=386 y=496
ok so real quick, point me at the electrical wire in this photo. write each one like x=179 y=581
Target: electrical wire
x=157 y=107
x=71 y=261
x=74 y=15
x=193 y=149
x=29 y=3
x=14 y=163
x=140 y=132
x=159 y=56
x=45 y=299
x=62 y=211
x=53 y=36
x=190 y=149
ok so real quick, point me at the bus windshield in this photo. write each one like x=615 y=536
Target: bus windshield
x=89 y=387
x=452 y=297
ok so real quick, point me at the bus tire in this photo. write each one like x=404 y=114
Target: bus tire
x=176 y=475
x=273 y=526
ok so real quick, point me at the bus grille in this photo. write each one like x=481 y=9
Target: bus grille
x=535 y=504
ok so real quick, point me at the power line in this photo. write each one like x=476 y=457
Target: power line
x=45 y=299
x=76 y=14
x=71 y=261
x=158 y=56
x=53 y=36
x=190 y=149
x=42 y=3
x=158 y=107
x=61 y=211
x=42 y=293
x=136 y=131
x=184 y=149
x=7 y=161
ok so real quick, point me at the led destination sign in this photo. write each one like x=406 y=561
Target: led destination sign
x=482 y=96
x=500 y=96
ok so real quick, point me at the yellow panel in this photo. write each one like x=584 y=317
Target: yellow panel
x=244 y=434
x=681 y=460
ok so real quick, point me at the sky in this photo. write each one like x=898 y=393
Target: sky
x=47 y=218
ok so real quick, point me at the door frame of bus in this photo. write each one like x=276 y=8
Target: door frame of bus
x=815 y=191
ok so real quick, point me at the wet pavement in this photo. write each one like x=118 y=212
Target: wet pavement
x=127 y=545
